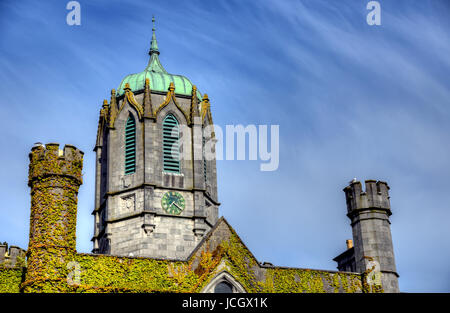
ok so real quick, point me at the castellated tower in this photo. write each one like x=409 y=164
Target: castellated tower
x=54 y=178
x=156 y=192
x=369 y=213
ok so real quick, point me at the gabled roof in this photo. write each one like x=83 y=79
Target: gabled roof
x=218 y=234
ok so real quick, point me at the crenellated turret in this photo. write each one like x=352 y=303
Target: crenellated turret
x=375 y=196
x=12 y=256
x=54 y=177
x=369 y=213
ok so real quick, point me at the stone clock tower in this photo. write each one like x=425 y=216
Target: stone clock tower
x=155 y=192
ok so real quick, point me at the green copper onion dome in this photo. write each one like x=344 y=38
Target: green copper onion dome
x=158 y=76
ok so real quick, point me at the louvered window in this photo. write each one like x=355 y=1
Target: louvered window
x=130 y=146
x=171 y=145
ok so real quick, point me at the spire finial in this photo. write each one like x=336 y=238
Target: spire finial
x=154 y=44
x=153 y=64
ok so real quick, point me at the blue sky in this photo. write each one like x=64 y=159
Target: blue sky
x=352 y=100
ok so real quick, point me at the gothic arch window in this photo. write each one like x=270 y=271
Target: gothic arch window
x=171 y=144
x=223 y=287
x=223 y=283
x=130 y=145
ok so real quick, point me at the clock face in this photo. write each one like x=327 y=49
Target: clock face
x=173 y=202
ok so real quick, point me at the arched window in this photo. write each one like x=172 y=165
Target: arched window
x=223 y=287
x=130 y=146
x=171 y=145
x=223 y=283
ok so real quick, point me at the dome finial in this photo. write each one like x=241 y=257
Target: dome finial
x=153 y=64
x=154 y=44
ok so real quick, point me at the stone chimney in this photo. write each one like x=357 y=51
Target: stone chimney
x=349 y=243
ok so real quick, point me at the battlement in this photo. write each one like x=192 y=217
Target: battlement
x=49 y=160
x=375 y=196
x=10 y=257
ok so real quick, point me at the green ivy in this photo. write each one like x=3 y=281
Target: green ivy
x=10 y=279
x=55 y=181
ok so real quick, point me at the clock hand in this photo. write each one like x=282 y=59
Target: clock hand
x=177 y=206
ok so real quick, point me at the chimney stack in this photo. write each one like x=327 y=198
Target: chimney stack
x=349 y=243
